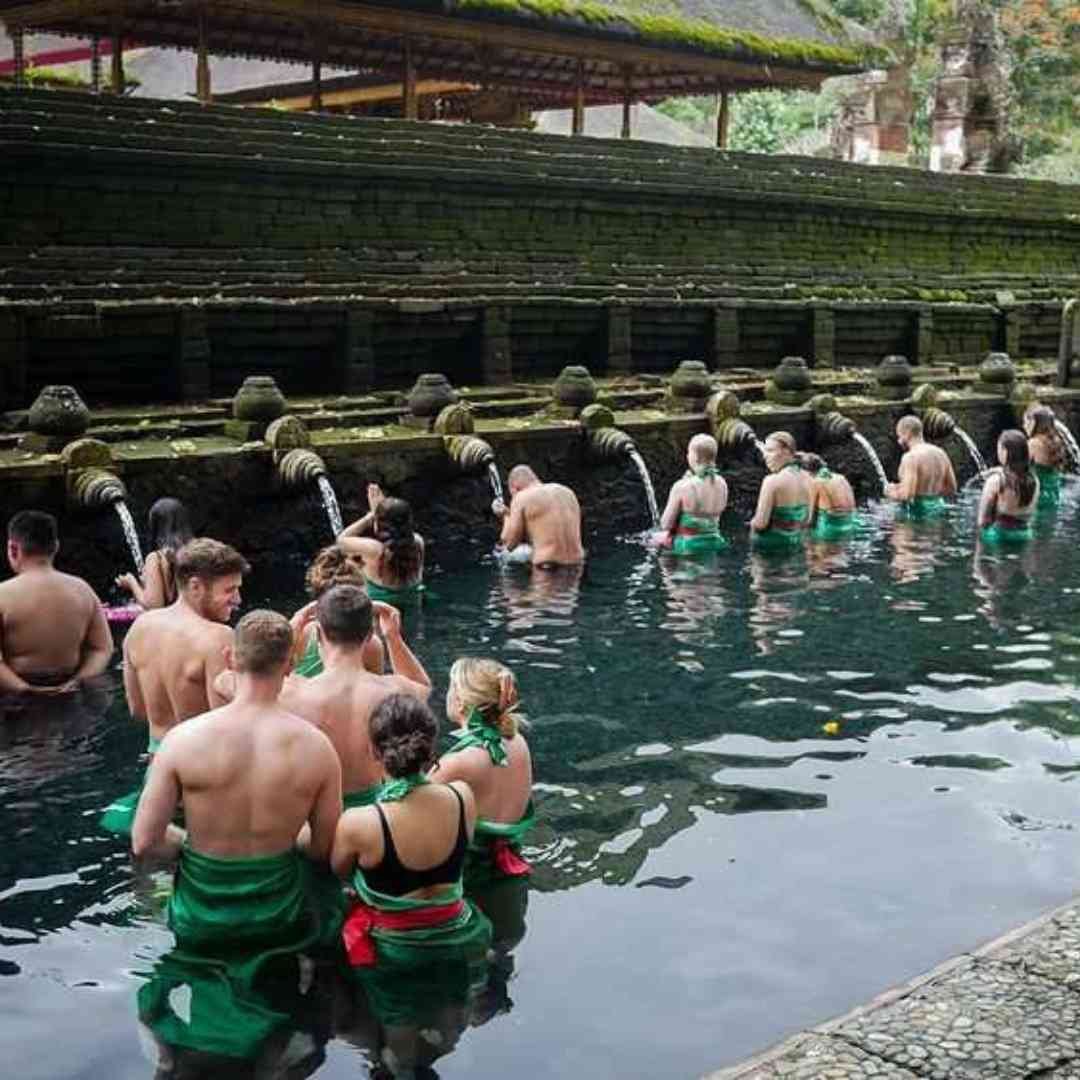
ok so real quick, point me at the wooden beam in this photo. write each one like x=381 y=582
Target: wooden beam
x=95 y=64
x=723 y=119
x=202 y=64
x=116 y=82
x=317 y=37
x=577 y=127
x=627 y=101
x=361 y=95
x=18 y=49
x=410 y=106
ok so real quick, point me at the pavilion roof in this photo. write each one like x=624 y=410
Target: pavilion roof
x=659 y=47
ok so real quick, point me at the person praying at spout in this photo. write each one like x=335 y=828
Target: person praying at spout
x=170 y=530
x=783 y=508
x=926 y=477
x=391 y=552
x=542 y=524
x=832 y=501
x=690 y=524
x=1010 y=494
x=1048 y=453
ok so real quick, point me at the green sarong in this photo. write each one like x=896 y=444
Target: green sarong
x=494 y=852
x=398 y=596
x=835 y=524
x=1049 y=486
x=310 y=663
x=773 y=539
x=698 y=536
x=1003 y=534
x=119 y=816
x=920 y=507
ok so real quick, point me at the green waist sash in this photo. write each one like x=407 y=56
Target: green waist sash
x=1049 y=485
x=494 y=852
x=698 y=536
x=925 y=506
x=395 y=595
x=310 y=663
x=1007 y=534
x=782 y=539
x=119 y=816
x=835 y=524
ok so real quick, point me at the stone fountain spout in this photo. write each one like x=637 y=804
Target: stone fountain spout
x=832 y=426
x=97 y=489
x=733 y=435
x=297 y=467
x=469 y=453
x=937 y=423
x=300 y=468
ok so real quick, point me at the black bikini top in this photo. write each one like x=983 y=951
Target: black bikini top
x=392 y=879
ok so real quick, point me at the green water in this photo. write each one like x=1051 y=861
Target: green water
x=713 y=871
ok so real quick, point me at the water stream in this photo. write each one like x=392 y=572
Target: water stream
x=972 y=449
x=871 y=453
x=646 y=479
x=496 y=482
x=131 y=534
x=330 y=505
x=1070 y=444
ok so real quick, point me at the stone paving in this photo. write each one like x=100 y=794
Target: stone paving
x=1010 y=1011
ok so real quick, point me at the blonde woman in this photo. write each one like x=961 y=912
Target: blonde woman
x=493 y=758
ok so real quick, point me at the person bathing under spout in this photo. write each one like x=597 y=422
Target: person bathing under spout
x=542 y=524
x=832 y=501
x=1048 y=453
x=926 y=477
x=393 y=555
x=690 y=524
x=251 y=776
x=170 y=530
x=1010 y=495
x=54 y=633
x=783 y=509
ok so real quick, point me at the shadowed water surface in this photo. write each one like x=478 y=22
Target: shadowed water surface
x=827 y=773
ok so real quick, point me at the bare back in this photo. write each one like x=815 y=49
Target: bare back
x=171 y=658
x=930 y=468
x=551 y=517
x=835 y=493
x=703 y=497
x=48 y=620
x=251 y=776
x=1044 y=451
x=502 y=791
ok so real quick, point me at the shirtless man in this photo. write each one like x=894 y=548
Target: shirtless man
x=250 y=775
x=341 y=699
x=691 y=519
x=542 y=523
x=783 y=509
x=173 y=655
x=926 y=476
x=53 y=632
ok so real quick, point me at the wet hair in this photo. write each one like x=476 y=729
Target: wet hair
x=490 y=688
x=263 y=643
x=784 y=439
x=1019 y=476
x=1044 y=423
x=344 y=615
x=35 y=532
x=208 y=560
x=403 y=735
x=402 y=556
x=811 y=462
x=910 y=425
x=332 y=566
x=703 y=449
x=170 y=529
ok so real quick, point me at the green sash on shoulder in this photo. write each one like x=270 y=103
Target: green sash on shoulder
x=310 y=663
x=835 y=524
x=1049 y=486
x=478 y=732
x=369 y=796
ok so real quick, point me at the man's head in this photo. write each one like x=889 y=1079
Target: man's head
x=908 y=431
x=702 y=451
x=208 y=577
x=780 y=449
x=262 y=645
x=521 y=477
x=32 y=538
x=344 y=616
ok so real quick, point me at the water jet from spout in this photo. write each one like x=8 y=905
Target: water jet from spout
x=972 y=449
x=1070 y=444
x=330 y=505
x=646 y=480
x=871 y=453
x=131 y=534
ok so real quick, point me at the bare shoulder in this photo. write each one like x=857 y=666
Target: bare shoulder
x=466 y=792
x=215 y=637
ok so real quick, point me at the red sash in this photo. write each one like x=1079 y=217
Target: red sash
x=1007 y=521
x=356 y=933
x=507 y=860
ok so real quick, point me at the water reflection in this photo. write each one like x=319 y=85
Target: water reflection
x=776 y=582
x=917 y=548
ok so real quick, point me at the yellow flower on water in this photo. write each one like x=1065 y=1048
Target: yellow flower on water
x=832 y=727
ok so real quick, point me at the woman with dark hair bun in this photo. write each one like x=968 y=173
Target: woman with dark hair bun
x=832 y=502
x=170 y=530
x=404 y=856
x=1010 y=494
x=391 y=552
x=1048 y=453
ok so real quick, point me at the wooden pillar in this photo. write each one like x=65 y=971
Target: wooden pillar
x=203 y=89
x=627 y=102
x=116 y=83
x=95 y=64
x=410 y=106
x=316 y=84
x=577 y=127
x=19 y=56
x=723 y=119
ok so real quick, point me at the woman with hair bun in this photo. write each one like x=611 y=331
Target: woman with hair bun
x=1010 y=494
x=832 y=502
x=393 y=554
x=1048 y=453
x=492 y=756
x=404 y=856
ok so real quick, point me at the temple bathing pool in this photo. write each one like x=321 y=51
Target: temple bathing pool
x=768 y=788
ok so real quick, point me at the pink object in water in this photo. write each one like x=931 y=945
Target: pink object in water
x=122 y=615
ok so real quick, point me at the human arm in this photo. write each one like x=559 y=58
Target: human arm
x=132 y=690
x=153 y=833
x=301 y=623
x=814 y=502
x=763 y=515
x=363 y=527
x=670 y=517
x=907 y=485
x=326 y=810
x=213 y=665
x=514 y=531
x=97 y=649
x=948 y=484
x=403 y=661
x=350 y=842
x=360 y=547
x=988 y=502
x=151 y=594
x=10 y=680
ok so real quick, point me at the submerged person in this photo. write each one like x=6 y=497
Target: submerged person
x=251 y=775
x=405 y=856
x=926 y=477
x=1010 y=494
x=691 y=519
x=492 y=757
x=332 y=566
x=542 y=524
x=783 y=507
x=832 y=500
x=1048 y=453
x=393 y=555
x=53 y=632
x=170 y=530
